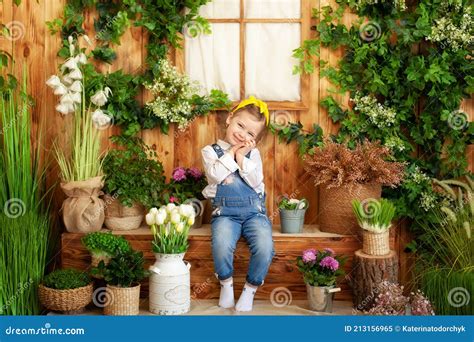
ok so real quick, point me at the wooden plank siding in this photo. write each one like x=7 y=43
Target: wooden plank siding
x=283 y=169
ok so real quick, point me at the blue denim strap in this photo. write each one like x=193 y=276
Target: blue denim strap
x=220 y=152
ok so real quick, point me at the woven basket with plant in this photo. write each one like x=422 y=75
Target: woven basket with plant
x=66 y=290
x=375 y=218
x=345 y=174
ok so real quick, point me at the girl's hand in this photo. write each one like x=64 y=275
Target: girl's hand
x=235 y=148
x=246 y=148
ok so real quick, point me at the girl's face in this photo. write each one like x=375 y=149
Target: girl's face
x=243 y=127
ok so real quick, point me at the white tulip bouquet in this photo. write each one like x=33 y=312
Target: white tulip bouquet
x=83 y=162
x=170 y=227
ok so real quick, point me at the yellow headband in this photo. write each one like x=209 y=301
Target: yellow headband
x=259 y=103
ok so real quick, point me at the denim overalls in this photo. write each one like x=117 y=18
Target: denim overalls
x=238 y=210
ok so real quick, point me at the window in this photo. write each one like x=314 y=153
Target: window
x=249 y=50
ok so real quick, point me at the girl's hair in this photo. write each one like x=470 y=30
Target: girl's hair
x=255 y=112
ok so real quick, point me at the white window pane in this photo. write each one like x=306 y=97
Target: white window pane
x=272 y=9
x=214 y=60
x=224 y=9
x=268 y=61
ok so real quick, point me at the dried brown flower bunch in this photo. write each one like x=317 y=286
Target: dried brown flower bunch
x=336 y=165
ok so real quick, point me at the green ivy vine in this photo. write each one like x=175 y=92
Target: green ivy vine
x=407 y=70
x=163 y=21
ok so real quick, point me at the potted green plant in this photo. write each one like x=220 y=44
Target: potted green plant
x=344 y=174
x=80 y=160
x=292 y=213
x=375 y=218
x=134 y=180
x=170 y=279
x=104 y=245
x=185 y=187
x=122 y=275
x=68 y=290
x=320 y=271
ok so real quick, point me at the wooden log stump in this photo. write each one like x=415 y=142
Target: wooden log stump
x=368 y=272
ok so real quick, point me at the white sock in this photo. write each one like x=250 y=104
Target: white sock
x=245 y=302
x=226 y=298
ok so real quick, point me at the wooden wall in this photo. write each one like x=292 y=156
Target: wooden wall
x=37 y=50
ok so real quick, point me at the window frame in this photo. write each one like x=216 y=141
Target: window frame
x=305 y=25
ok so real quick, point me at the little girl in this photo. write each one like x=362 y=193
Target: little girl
x=234 y=172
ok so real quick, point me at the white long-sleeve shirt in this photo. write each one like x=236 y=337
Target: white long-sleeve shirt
x=218 y=169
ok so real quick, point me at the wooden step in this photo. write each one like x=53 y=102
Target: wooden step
x=283 y=275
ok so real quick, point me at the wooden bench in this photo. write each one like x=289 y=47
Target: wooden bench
x=283 y=276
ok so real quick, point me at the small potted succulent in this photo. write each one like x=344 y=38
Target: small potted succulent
x=185 y=187
x=320 y=271
x=375 y=218
x=68 y=290
x=122 y=275
x=104 y=246
x=134 y=181
x=292 y=213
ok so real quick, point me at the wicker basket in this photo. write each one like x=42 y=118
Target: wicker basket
x=335 y=209
x=123 y=301
x=65 y=300
x=120 y=217
x=375 y=243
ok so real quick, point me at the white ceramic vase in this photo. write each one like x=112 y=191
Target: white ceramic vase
x=170 y=292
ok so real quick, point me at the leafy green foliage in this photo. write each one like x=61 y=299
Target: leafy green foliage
x=163 y=21
x=65 y=279
x=388 y=56
x=105 y=243
x=293 y=204
x=124 y=270
x=134 y=173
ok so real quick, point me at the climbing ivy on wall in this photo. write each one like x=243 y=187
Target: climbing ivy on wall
x=407 y=68
x=163 y=22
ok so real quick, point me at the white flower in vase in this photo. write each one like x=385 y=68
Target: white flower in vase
x=65 y=108
x=99 y=98
x=66 y=99
x=161 y=217
x=170 y=207
x=76 y=86
x=100 y=119
x=175 y=217
x=61 y=89
x=71 y=63
x=186 y=210
x=76 y=74
x=81 y=58
x=53 y=81
x=150 y=219
x=293 y=201
x=76 y=97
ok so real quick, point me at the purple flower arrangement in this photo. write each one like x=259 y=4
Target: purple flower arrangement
x=320 y=268
x=185 y=183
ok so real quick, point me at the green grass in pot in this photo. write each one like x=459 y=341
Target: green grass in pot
x=374 y=215
x=134 y=174
x=65 y=279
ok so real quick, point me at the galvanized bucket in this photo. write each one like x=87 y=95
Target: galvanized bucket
x=292 y=220
x=320 y=297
